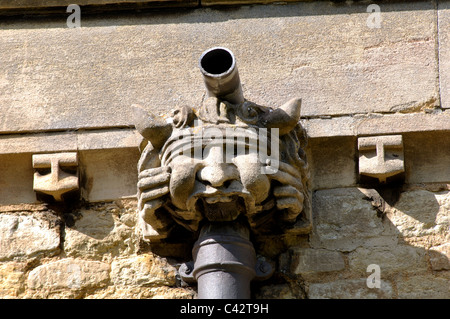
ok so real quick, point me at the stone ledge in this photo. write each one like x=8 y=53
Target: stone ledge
x=110 y=138
x=69 y=141
x=207 y=3
x=376 y=124
x=31 y=4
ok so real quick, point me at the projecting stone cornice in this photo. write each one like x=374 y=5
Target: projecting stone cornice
x=376 y=124
x=117 y=138
x=69 y=141
x=39 y=4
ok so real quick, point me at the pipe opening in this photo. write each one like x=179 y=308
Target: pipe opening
x=217 y=61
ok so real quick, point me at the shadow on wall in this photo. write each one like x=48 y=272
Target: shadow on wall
x=94 y=17
x=406 y=235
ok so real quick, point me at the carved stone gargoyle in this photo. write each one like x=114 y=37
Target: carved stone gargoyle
x=230 y=162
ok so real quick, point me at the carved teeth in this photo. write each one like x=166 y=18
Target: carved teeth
x=217 y=199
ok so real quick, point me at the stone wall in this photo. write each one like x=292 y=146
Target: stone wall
x=71 y=90
x=92 y=251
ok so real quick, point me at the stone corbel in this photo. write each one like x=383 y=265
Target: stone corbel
x=56 y=174
x=381 y=157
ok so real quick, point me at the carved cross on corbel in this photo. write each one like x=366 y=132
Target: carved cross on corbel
x=381 y=156
x=56 y=174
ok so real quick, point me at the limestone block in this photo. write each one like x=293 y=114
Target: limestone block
x=424 y=287
x=306 y=260
x=339 y=172
x=392 y=259
x=53 y=142
x=440 y=257
x=38 y=143
x=444 y=52
x=421 y=213
x=376 y=124
x=17 y=4
x=89 y=77
x=427 y=162
x=350 y=289
x=68 y=274
x=110 y=174
x=143 y=270
x=108 y=139
x=26 y=236
x=344 y=220
x=281 y=291
x=101 y=232
x=207 y=3
x=137 y=292
x=401 y=123
x=16 y=182
x=12 y=279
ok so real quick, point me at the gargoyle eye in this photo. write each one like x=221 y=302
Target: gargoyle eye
x=252 y=112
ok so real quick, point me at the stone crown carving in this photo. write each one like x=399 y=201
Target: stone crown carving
x=227 y=159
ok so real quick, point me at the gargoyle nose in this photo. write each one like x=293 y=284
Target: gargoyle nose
x=218 y=175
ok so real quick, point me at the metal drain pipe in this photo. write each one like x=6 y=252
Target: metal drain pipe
x=224 y=262
x=224 y=257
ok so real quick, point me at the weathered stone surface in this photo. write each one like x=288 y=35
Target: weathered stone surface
x=57 y=181
x=444 y=51
x=66 y=275
x=306 y=260
x=381 y=157
x=427 y=162
x=110 y=174
x=376 y=124
x=207 y=3
x=101 y=232
x=344 y=220
x=349 y=289
x=135 y=292
x=282 y=291
x=424 y=287
x=339 y=172
x=107 y=159
x=26 y=236
x=70 y=141
x=12 y=279
x=48 y=142
x=144 y=270
x=107 y=139
x=393 y=259
x=422 y=213
x=16 y=183
x=401 y=123
x=440 y=257
x=18 y=4
x=334 y=62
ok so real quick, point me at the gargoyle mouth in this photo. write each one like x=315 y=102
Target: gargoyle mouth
x=221 y=208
